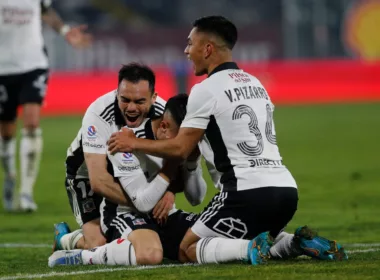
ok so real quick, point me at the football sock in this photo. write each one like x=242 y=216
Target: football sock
x=30 y=155
x=118 y=252
x=69 y=241
x=285 y=247
x=220 y=250
x=8 y=156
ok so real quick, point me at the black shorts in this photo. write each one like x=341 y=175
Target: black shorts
x=84 y=203
x=173 y=231
x=123 y=224
x=20 y=89
x=245 y=214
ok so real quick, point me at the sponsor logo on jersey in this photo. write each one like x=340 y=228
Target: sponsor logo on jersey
x=262 y=162
x=91 y=132
x=128 y=168
x=93 y=145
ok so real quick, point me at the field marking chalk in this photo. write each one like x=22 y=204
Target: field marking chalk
x=57 y=274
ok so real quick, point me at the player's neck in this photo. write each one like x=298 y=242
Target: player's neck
x=155 y=126
x=218 y=60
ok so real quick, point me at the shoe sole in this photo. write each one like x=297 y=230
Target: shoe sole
x=309 y=234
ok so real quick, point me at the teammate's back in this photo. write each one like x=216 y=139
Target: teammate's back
x=240 y=134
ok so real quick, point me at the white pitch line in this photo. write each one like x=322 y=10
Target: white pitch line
x=57 y=274
x=31 y=245
x=24 y=245
x=362 y=245
x=363 y=251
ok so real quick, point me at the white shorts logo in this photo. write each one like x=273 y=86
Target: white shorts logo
x=233 y=228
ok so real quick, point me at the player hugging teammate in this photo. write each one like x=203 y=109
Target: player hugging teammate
x=229 y=116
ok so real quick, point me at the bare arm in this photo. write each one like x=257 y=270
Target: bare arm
x=75 y=36
x=179 y=147
x=101 y=181
x=195 y=186
x=51 y=18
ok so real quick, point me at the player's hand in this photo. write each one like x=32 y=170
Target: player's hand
x=162 y=208
x=78 y=38
x=122 y=141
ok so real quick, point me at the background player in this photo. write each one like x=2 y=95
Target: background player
x=23 y=79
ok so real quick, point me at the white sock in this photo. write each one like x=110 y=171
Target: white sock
x=220 y=250
x=30 y=155
x=118 y=252
x=69 y=241
x=285 y=247
x=8 y=157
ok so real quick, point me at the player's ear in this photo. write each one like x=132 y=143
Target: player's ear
x=208 y=50
x=164 y=125
x=154 y=96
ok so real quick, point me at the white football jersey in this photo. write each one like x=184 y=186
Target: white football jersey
x=102 y=118
x=21 y=41
x=240 y=140
x=133 y=166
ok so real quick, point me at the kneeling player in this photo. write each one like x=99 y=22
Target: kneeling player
x=137 y=239
x=87 y=177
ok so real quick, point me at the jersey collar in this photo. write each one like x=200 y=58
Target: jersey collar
x=224 y=66
x=119 y=118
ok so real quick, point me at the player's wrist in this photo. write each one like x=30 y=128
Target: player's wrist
x=64 y=30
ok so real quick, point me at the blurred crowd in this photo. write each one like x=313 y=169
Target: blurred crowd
x=155 y=31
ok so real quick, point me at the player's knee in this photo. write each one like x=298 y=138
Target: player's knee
x=31 y=129
x=191 y=252
x=90 y=244
x=187 y=252
x=182 y=256
x=149 y=256
x=93 y=241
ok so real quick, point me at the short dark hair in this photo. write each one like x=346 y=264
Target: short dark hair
x=135 y=72
x=219 y=26
x=176 y=105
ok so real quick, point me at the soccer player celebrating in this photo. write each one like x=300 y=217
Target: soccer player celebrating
x=23 y=78
x=87 y=176
x=231 y=115
x=134 y=238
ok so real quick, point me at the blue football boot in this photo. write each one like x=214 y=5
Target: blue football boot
x=258 y=248
x=318 y=247
x=66 y=257
x=60 y=230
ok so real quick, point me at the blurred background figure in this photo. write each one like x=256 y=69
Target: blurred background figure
x=23 y=79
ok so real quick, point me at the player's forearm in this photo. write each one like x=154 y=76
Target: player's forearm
x=105 y=186
x=195 y=186
x=145 y=195
x=51 y=18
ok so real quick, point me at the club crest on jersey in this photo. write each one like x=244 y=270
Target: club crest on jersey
x=91 y=132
